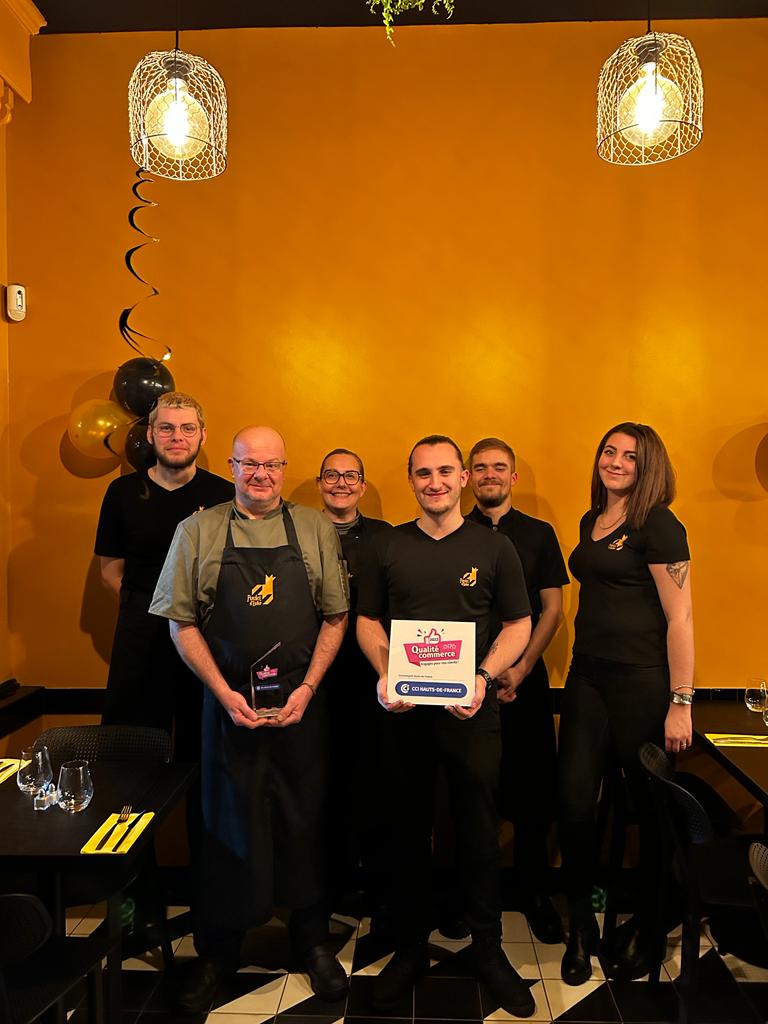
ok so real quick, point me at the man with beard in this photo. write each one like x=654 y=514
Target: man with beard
x=527 y=726
x=148 y=684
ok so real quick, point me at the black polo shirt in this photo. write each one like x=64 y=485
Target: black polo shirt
x=471 y=575
x=536 y=544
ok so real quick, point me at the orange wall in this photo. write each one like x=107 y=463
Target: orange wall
x=406 y=240
x=5 y=657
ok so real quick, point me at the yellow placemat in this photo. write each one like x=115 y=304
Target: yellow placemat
x=8 y=768
x=727 y=739
x=123 y=837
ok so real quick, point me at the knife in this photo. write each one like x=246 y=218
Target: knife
x=123 y=842
x=108 y=835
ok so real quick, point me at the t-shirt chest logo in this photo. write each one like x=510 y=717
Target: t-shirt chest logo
x=618 y=544
x=469 y=579
x=262 y=593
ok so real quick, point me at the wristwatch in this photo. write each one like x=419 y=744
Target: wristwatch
x=490 y=681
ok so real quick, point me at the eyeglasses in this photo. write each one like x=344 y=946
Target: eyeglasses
x=332 y=476
x=249 y=466
x=169 y=429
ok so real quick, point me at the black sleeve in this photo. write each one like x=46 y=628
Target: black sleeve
x=372 y=583
x=110 y=534
x=665 y=538
x=552 y=571
x=511 y=593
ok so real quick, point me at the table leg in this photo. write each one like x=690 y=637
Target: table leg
x=114 y=957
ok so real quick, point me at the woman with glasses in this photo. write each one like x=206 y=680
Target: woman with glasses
x=631 y=677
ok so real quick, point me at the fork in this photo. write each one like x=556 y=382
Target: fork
x=121 y=820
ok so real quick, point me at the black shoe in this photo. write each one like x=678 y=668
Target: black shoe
x=492 y=968
x=397 y=978
x=454 y=926
x=543 y=920
x=583 y=941
x=326 y=975
x=197 y=984
x=630 y=953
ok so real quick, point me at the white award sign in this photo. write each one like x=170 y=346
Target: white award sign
x=431 y=662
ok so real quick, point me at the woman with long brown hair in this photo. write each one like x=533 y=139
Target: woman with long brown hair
x=631 y=676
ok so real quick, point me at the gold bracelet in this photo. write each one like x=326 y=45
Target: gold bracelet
x=309 y=686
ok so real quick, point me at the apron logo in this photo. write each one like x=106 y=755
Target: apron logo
x=262 y=593
x=469 y=579
x=618 y=544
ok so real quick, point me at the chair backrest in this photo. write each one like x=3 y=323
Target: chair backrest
x=758 y=861
x=107 y=743
x=691 y=820
x=25 y=926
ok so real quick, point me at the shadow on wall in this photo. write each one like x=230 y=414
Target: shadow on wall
x=740 y=467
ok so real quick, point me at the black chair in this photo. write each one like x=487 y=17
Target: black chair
x=115 y=743
x=38 y=970
x=711 y=872
x=106 y=743
x=758 y=861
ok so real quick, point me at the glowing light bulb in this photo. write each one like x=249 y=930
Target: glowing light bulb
x=176 y=124
x=650 y=109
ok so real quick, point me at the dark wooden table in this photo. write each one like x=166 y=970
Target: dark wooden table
x=48 y=843
x=747 y=764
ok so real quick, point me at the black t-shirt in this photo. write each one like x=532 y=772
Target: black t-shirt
x=472 y=575
x=536 y=544
x=357 y=546
x=620 y=616
x=138 y=519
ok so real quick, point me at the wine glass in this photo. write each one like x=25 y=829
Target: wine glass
x=75 y=786
x=755 y=696
x=35 y=772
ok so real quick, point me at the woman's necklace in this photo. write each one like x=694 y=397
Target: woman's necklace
x=607 y=529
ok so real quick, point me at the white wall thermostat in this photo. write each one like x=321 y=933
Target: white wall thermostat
x=16 y=301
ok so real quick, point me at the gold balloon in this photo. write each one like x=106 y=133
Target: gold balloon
x=92 y=424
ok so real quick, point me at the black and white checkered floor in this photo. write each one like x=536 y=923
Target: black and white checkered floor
x=731 y=992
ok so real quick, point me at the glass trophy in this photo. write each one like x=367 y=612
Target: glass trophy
x=267 y=694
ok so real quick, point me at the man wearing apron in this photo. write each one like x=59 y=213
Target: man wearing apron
x=257 y=600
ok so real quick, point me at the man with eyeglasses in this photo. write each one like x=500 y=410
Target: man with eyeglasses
x=350 y=685
x=148 y=684
x=256 y=592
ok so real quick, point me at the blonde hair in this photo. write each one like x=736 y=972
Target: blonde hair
x=177 y=400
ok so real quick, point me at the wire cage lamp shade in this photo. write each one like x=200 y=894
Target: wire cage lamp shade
x=177 y=108
x=650 y=101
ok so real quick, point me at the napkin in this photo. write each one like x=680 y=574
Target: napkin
x=726 y=739
x=116 y=842
x=8 y=768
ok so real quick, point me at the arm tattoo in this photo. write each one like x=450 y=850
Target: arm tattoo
x=678 y=571
x=494 y=647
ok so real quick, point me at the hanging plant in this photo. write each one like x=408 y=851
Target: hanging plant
x=389 y=8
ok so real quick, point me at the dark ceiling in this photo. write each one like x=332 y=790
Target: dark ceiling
x=139 y=15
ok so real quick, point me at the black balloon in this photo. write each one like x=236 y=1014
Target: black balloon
x=138 y=450
x=139 y=383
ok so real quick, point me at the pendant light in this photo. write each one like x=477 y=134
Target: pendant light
x=177 y=108
x=650 y=100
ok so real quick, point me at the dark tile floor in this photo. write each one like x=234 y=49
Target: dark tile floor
x=731 y=991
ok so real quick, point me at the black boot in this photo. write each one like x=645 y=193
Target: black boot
x=583 y=942
x=543 y=920
x=632 y=953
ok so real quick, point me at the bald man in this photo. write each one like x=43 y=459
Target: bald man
x=256 y=595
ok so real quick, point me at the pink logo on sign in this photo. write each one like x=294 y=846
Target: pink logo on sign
x=266 y=672
x=431 y=649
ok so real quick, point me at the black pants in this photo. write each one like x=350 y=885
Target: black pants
x=415 y=744
x=528 y=779
x=307 y=927
x=148 y=683
x=608 y=711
